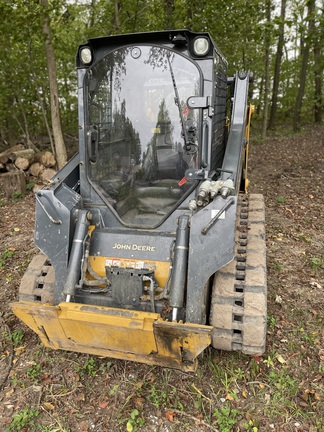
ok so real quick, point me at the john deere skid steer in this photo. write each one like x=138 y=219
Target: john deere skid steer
x=152 y=250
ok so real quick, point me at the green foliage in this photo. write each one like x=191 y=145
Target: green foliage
x=281 y=200
x=30 y=186
x=23 y=420
x=134 y=421
x=279 y=267
x=271 y=321
x=317 y=264
x=250 y=427
x=34 y=372
x=4 y=256
x=88 y=368
x=17 y=196
x=17 y=337
x=165 y=396
x=226 y=418
x=113 y=390
x=24 y=87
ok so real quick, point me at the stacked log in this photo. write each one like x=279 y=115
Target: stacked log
x=18 y=164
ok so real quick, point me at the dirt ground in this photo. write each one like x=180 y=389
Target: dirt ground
x=45 y=390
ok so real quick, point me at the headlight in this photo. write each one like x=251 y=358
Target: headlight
x=86 y=55
x=201 y=46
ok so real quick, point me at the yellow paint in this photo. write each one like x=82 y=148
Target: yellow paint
x=250 y=112
x=118 y=333
x=90 y=229
x=161 y=268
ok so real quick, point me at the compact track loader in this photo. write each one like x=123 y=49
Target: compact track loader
x=152 y=250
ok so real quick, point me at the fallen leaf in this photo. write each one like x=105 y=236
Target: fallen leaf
x=129 y=427
x=19 y=350
x=278 y=299
x=16 y=229
x=229 y=397
x=139 y=401
x=248 y=416
x=103 y=404
x=244 y=394
x=9 y=393
x=169 y=415
x=48 y=406
x=280 y=359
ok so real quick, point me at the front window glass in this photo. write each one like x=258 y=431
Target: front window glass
x=136 y=113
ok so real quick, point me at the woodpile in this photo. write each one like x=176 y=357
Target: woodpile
x=18 y=165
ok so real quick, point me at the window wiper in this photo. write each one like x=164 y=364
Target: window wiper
x=188 y=131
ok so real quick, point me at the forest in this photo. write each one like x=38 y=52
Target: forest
x=280 y=41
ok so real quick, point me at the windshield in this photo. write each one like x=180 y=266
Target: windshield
x=137 y=113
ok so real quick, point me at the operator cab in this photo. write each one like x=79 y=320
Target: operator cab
x=141 y=135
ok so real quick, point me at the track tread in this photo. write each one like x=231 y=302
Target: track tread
x=239 y=295
x=37 y=284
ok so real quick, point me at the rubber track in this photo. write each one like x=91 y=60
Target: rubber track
x=37 y=284
x=239 y=295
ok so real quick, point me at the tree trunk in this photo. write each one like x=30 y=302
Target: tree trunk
x=168 y=14
x=40 y=99
x=5 y=156
x=92 y=11
x=260 y=97
x=318 y=105
x=46 y=158
x=23 y=153
x=36 y=168
x=303 y=69
x=267 y=70
x=23 y=163
x=13 y=181
x=276 y=78
x=117 y=19
x=60 y=148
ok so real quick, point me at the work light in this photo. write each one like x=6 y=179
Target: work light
x=86 y=55
x=201 y=46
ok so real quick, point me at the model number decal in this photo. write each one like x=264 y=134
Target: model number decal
x=134 y=247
